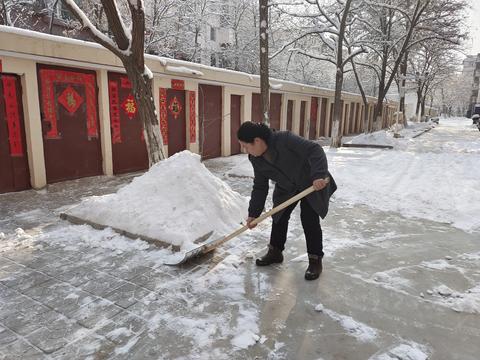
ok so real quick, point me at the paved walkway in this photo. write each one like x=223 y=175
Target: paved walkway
x=384 y=291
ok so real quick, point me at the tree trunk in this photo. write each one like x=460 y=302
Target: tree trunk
x=337 y=111
x=337 y=108
x=378 y=112
x=134 y=64
x=142 y=89
x=264 y=81
x=403 y=72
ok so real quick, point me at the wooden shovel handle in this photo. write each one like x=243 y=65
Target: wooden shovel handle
x=263 y=216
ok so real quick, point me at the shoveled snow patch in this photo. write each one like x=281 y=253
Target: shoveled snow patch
x=443 y=290
x=247 y=328
x=407 y=351
x=469 y=302
x=438 y=264
x=360 y=331
x=177 y=201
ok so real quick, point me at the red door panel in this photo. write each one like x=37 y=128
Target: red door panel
x=303 y=105
x=210 y=120
x=177 y=126
x=129 y=150
x=69 y=111
x=14 y=171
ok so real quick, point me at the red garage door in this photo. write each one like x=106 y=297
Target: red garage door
x=210 y=118
x=70 y=123
x=129 y=151
x=177 y=126
x=14 y=173
x=303 y=106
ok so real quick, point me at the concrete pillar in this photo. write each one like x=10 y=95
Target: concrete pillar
x=104 y=121
x=226 y=121
x=27 y=70
x=296 y=116
x=283 y=113
x=327 y=117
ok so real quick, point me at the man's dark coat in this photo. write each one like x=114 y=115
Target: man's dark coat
x=294 y=164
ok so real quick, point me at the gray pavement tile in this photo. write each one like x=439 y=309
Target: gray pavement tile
x=100 y=284
x=8 y=267
x=20 y=350
x=7 y=293
x=144 y=348
x=6 y=336
x=62 y=297
x=24 y=280
x=20 y=255
x=26 y=321
x=55 y=335
x=124 y=320
x=57 y=267
x=153 y=279
x=127 y=295
x=74 y=275
x=89 y=347
x=43 y=259
x=96 y=312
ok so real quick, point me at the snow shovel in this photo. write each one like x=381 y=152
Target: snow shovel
x=210 y=245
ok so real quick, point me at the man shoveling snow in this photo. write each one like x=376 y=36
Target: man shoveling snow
x=294 y=164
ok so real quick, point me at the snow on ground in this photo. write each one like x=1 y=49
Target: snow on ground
x=177 y=201
x=386 y=137
x=421 y=178
x=360 y=331
x=406 y=351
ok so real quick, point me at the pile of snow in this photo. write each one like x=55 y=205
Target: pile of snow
x=386 y=137
x=176 y=201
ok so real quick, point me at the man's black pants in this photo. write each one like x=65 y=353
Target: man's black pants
x=311 y=228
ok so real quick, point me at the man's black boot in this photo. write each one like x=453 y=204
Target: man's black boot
x=314 y=267
x=273 y=256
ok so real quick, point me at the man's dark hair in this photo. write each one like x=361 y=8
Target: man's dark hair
x=248 y=131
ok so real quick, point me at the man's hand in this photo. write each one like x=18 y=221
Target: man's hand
x=249 y=222
x=319 y=184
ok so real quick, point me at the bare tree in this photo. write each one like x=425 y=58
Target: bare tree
x=329 y=26
x=128 y=45
x=397 y=27
x=264 y=81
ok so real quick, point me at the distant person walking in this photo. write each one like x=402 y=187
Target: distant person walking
x=294 y=164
